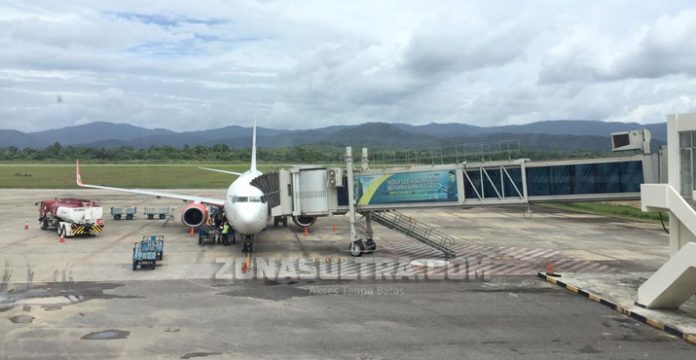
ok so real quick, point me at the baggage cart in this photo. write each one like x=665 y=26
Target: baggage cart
x=128 y=213
x=144 y=255
x=155 y=242
x=157 y=213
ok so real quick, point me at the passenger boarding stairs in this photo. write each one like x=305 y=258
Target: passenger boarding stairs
x=422 y=232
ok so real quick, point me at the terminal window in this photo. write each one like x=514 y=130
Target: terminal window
x=687 y=143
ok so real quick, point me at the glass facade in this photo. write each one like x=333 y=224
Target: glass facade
x=600 y=178
x=687 y=143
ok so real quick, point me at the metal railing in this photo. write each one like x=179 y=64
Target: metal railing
x=446 y=154
x=422 y=232
x=480 y=178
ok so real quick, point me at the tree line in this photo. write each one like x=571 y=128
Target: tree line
x=218 y=152
x=295 y=154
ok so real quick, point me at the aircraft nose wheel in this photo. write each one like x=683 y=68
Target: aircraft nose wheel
x=248 y=244
x=357 y=248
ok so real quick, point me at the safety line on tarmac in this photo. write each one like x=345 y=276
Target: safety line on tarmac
x=670 y=329
x=497 y=260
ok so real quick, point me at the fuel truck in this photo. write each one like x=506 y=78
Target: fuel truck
x=71 y=217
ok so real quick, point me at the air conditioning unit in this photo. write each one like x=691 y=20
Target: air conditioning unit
x=631 y=140
x=336 y=177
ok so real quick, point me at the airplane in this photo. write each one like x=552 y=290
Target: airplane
x=245 y=205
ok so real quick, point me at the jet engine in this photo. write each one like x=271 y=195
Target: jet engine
x=304 y=221
x=194 y=215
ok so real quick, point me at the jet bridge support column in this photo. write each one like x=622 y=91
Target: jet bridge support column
x=370 y=242
x=365 y=161
x=356 y=246
x=675 y=282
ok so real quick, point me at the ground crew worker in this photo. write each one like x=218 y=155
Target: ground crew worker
x=217 y=220
x=225 y=233
x=217 y=237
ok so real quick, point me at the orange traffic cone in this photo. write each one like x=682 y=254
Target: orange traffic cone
x=62 y=239
x=245 y=266
x=334 y=227
x=26 y=225
x=549 y=269
x=306 y=231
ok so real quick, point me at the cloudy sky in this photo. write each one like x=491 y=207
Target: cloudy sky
x=203 y=64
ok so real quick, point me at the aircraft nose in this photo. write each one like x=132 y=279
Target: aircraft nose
x=248 y=215
x=250 y=219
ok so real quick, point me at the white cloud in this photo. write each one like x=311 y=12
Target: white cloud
x=666 y=47
x=472 y=44
x=189 y=66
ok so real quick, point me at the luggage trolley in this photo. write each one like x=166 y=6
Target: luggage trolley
x=148 y=251
x=143 y=255
x=159 y=213
x=128 y=213
x=157 y=243
x=208 y=235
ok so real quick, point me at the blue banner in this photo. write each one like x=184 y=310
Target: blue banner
x=406 y=187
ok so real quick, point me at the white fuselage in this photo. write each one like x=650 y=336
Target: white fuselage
x=245 y=206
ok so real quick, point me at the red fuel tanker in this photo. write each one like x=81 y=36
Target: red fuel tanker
x=71 y=217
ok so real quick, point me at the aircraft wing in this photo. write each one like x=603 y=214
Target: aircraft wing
x=222 y=171
x=159 y=194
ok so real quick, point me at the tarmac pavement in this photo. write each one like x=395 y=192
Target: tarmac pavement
x=80 y=299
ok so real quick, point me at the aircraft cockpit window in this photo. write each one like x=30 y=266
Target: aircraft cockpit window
x=238 y=199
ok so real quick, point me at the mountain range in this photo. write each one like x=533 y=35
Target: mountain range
x=557 y=134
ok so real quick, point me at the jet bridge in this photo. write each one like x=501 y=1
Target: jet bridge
x=307 y=192
x=322 y=191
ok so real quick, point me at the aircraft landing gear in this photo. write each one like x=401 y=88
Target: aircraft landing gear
x=280 y=220
x=248 y=244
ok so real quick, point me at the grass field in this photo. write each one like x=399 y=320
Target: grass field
x=158 y=176
x=612 y=209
